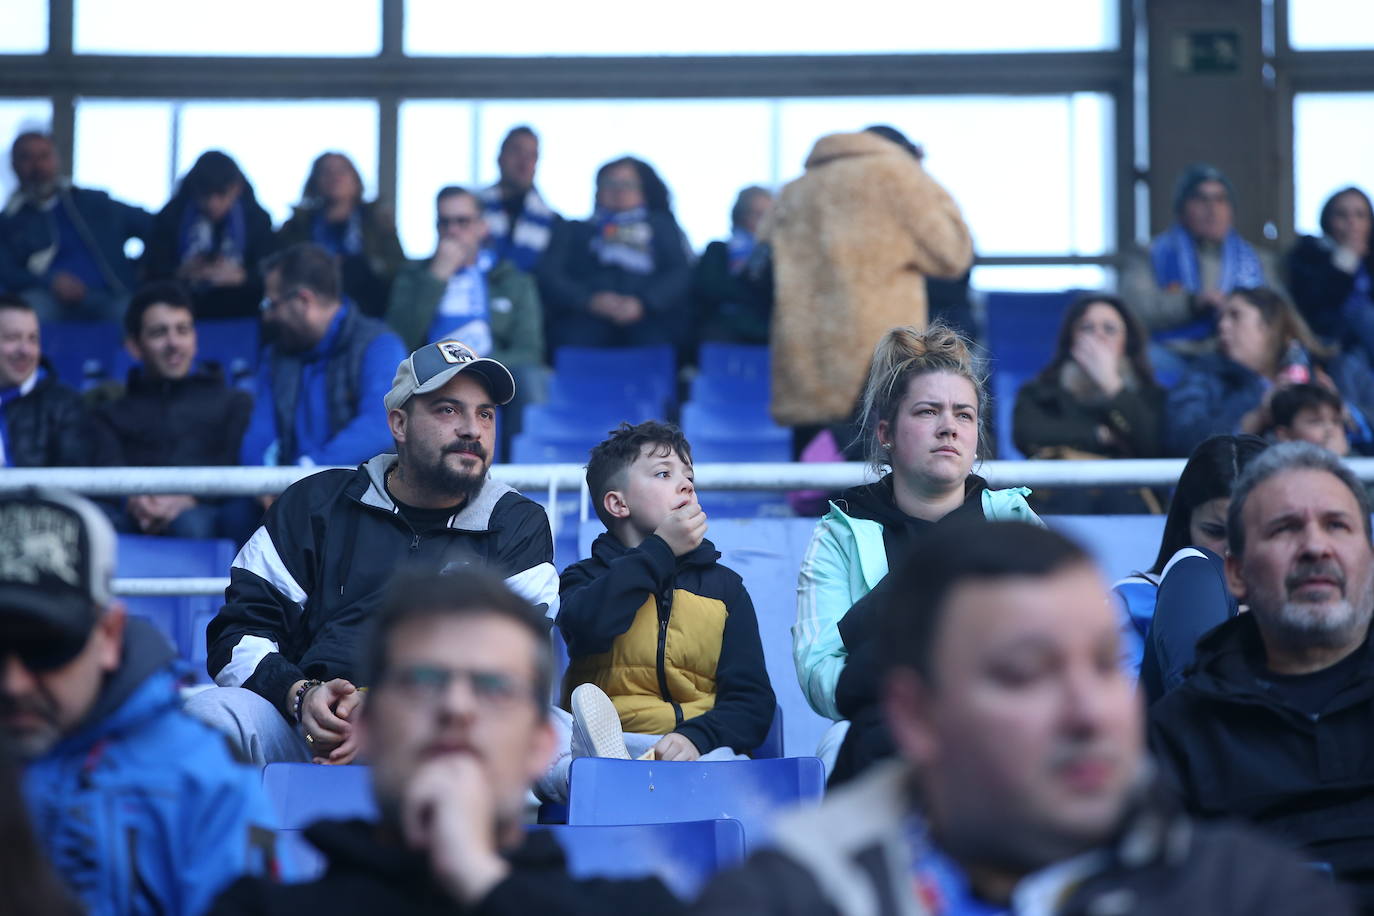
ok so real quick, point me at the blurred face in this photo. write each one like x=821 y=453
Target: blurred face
x=445 y=438
x=1207 y=214
x=461 y=218
x=1244 y=337
x=1350 y=221
x=41 y=704
x=19 y=349
x=293 y=315
x=216 y=206
x=459 y=685
x=166 y=343
x=1207 y=527
x=657 y=483
x=517 y=162
x=933 y=439
x=336 y=180
x=35 y=165
x=756 y=208
x=1321 y=425
x=620 y=189
x=1028 y=742
x=1102 y=322
x=1308 y=568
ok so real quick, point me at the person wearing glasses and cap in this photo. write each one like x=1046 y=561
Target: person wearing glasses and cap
x=140 y=808
x=305 y=586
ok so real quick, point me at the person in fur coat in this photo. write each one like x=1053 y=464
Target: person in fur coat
x=853 y=240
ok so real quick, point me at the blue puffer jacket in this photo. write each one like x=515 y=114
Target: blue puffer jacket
x=142 y=809
x=1216 y=393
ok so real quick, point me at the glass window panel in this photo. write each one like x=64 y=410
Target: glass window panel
x=1031 y=173
x=435 y=149
x=125 y=147
x=1332 y=136
x=442 y=27
x=1033 y=278
x=17 y=116
x=26 y=27
x=1330 y=24
x=275 y=142
x=342 y=28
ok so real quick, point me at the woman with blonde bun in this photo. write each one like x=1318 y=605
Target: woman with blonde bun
x=923 y=410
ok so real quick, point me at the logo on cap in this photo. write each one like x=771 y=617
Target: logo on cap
x=454 y=352
x=41 y=543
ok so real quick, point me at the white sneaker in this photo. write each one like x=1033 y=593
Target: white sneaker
x=596 y=725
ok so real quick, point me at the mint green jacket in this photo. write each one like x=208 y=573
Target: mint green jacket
x=844 y=561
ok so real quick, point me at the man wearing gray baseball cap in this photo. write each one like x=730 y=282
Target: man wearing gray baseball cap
x=141 y=808
x=303 y=590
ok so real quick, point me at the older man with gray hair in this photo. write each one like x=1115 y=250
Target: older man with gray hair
x=1275 y=724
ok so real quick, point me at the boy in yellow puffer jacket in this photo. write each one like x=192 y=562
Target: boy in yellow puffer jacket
x=654 y=621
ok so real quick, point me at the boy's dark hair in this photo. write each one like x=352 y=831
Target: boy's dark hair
x=1291 y=400
x=163 y=292
x=947 y=555
x=612 y=458
x=306 y=265
x=415 y=594
x=454 y=190
x=12 y=301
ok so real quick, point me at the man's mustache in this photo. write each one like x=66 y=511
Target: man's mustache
x=468 y=446
x=1323 y=570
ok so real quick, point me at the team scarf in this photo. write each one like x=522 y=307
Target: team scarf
x=1174 y=256
x=349 y=242
x=197 y=236
x=524 y=242
x=624 y=239
x=740 y=248
x=8 y=395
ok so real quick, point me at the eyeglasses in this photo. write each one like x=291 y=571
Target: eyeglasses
x=462 y=222
x=268 y=303
x=620 y=184
x=427 y=684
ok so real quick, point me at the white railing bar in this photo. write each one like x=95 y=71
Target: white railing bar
x=143 y=587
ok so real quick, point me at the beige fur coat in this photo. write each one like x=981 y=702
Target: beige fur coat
x=853 y=240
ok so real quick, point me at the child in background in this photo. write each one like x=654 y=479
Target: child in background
x=1310 y=413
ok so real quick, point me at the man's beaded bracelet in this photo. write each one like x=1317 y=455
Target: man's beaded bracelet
x=301 y=691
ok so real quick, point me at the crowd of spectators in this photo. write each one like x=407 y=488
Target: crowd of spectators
x=993 y=721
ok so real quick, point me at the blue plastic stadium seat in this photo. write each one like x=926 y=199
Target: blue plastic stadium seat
x=585 y=420
x=606 y=791
x=1005 y=385
x=302 y=793
x=682 y=855
x=234 y=344
x=715 y=448
x=739 y=361
x=772 y=743
x=654 y=367
x=181 y=618
x=1022 y=328
x=86 y=353
x=609 y=392
x=737 y=420
x=531 y=448
x=728 y=390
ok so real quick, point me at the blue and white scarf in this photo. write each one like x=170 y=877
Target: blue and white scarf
x=351 y=240
x=464 y=312
x=523 y=243
x=197 y=236
x=741 y=248
x=7 y=395
x=1174 y=257
x=624 y=239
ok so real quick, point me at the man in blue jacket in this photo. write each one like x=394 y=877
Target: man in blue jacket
x=62 y=247
x=140 y=808
x=323 y=378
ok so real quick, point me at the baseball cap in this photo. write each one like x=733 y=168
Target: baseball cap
x=57 y=558
x=430 y=368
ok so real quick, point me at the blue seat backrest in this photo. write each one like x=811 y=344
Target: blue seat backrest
x=568 y=391
x=1022 y=328
x=182 y=618
x=531 y=448
x=234 y=344
x=741 y=419
x=739 y=361
x=607 y=791
x=729 y=390
x=683 y=856
x=587 y=421
x=711 y=448
x=302 y=793
x=654 y=367
x=85 y=353
x=1121 y=544
x=1005 y=385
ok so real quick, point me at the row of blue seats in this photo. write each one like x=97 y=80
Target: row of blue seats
x=87 y=353
x=626 y=818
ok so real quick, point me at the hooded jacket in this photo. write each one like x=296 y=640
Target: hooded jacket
x=193 y=421
x=1235 y=747
x=673 y=641
x=848 y=557
x=853 y=240
x=47 y=427
x=303 y=590
x=851 y=857
x=141 y=809
x=368 y=876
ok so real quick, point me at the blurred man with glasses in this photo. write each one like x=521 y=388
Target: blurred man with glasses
x=457 y=726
